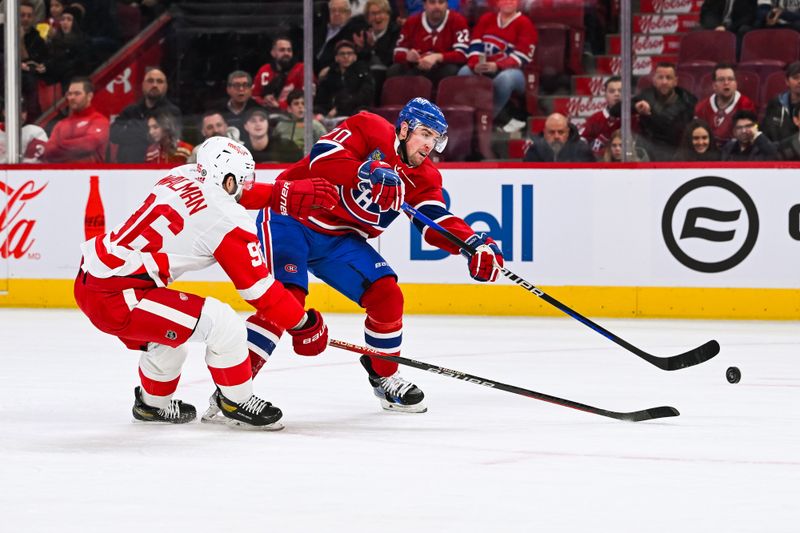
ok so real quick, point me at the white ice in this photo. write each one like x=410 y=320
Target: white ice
x=71 y=460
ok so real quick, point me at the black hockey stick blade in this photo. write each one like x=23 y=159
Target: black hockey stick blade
x=693 y=357
x=635 y=416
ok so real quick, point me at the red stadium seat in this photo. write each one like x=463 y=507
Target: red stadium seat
x=551 y=52
x=461 y=126
x=768 y=51
x=708 y=45
x=566 y=12
x=773 y=86
x=400 y=89
x=476 y=92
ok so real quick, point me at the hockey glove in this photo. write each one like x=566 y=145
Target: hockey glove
x=387 y=189
x=311 y=337
x=299 y=198
x=486 y=262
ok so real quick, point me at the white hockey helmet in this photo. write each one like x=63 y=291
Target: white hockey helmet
x=219 y=157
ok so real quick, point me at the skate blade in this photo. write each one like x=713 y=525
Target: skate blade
x=222 y=420
x=397 y=408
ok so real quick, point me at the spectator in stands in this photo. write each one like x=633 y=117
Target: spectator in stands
x=664 y=110
x=748 y=143
x=339 y=25
x=778 y=14
x=50 y=27
x=559 y=142
x=719 y=108
x=433 y=43
x=407 y=8
x=81 y=137
x=293 y=129
x=32 y=54
x=166 y=147
x=502 y=44
x=697 y=143
x=212 y=124
x=240 y=98
x=129 y=130
x=276 y=79
x=264 y=148
x=347 y=88
x=777 y=123
x=598 y=128
x=789 y=148
x=737 y=16
x=613 y=150
x=375 y=45
x=68 y=51
x=32 y=138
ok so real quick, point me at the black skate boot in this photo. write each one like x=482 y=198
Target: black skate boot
x=177 y=412
x=254 y=413
x=395 y=393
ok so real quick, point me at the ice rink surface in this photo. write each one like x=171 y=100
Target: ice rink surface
x=71 y=460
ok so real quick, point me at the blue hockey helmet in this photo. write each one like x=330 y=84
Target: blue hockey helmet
x=421 y=112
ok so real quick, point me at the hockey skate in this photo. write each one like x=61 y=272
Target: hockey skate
x=176 y=413
x=394 y=392
x=255 y=413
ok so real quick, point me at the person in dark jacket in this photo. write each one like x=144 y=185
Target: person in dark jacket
x=129 y=130
x=347 y=88
x=777 y=123
x=559 y=142
x=789 y=148
x=664 y=111
x=375 y=45
x=68 y=52
x=748 y=144
x=332 y=24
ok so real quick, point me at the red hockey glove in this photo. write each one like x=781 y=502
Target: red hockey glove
x=486 y=262
x=387 y=189
x=312 y=337
x=299 y=198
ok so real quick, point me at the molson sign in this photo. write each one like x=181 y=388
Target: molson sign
x=670 y=6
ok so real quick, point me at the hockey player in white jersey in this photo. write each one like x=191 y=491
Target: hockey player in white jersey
x=192 y=219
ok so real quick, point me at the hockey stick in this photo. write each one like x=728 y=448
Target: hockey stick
x=635 y=416
x=692 y=357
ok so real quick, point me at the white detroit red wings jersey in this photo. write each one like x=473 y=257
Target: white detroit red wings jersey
x=337 y=157
x=186 y=225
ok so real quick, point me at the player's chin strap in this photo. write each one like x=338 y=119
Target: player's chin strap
x=402 y=150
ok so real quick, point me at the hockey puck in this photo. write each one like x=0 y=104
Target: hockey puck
x=733 y=374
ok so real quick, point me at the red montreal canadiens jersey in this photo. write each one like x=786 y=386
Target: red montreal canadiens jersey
x=510 y=46
x=186 y=225
x=451 y=38
x=597 y=131
x=266 y=74
x=337 y=157
x=721 y=120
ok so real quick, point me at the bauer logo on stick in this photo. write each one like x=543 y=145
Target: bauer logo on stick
x=710 y=224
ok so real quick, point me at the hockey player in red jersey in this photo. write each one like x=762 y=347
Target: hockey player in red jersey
x=375 y=167
x=191 y=220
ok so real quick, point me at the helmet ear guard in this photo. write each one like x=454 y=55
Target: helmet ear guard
x=421 y=112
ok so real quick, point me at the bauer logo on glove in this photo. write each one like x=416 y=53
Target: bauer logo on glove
x=486 y=260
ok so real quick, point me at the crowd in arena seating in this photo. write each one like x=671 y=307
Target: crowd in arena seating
x=360 y=44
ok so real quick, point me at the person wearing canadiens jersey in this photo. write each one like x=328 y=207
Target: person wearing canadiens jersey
x=375 y=166
x=193 y=218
